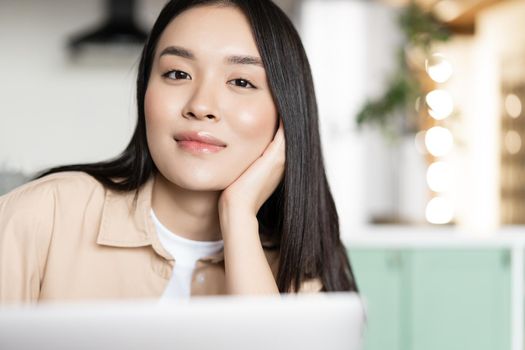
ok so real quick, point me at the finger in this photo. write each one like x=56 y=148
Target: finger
x=280 y=128
x=280 y=132
x=277 y=142
x=277 y=147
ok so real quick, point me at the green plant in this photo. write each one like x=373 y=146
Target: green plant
x=421 y=30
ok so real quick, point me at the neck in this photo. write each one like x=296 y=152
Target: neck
x=190 y=214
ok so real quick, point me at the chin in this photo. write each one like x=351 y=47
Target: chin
x=198 y=183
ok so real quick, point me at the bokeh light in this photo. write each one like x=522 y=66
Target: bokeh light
x=513 y=106
x=512 y=141
x=439 y=211
x=439 y=176
x=440 y=104
x=438 y=141
x=438 y=68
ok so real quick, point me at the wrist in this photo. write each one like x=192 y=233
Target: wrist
x=228 y=208
x=233 y=219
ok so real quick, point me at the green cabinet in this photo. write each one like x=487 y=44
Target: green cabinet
x=379 y=275
x=426 y=299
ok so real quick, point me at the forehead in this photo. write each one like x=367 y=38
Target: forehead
x=206 y=29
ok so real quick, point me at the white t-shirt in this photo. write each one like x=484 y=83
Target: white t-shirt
x=186 y=252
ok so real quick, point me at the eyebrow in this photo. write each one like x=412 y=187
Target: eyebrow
x=234 y=59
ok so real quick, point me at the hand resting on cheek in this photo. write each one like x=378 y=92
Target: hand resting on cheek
x=256 y=184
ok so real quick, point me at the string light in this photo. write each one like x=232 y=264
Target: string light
x=513 y=106
x=439 y=176
x=438 y=140
x=439 y=211
x=440 y=104
x=438 y=68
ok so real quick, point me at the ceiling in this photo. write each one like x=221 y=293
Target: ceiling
x=459 y=15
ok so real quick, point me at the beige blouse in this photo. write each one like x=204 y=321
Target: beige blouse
x=67 y=237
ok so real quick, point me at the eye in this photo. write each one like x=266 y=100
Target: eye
x=244 y=83
x=175 y=75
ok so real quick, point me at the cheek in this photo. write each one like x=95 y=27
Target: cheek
x=159 y=113
x=151 y=111
x=256 y=121
x=156 y=107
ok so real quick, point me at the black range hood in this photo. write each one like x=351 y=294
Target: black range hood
x=119 y=28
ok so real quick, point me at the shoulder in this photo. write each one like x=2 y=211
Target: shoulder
x=62 y=181
x=29 y=217
x=45 y=194
x=30 y=213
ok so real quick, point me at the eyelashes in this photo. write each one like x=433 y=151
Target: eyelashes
x=174 y=74
x=180 y=75
x=246 y=83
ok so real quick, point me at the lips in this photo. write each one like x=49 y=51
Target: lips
x=199 y=142
x=202 y=137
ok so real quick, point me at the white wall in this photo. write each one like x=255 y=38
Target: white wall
x=52 y=110
x=352 y=47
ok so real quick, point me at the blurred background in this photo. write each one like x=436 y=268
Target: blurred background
x=421 y=111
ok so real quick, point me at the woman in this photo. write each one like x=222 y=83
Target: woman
x=207 y=198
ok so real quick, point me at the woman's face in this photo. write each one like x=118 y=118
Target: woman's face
x=207 y=80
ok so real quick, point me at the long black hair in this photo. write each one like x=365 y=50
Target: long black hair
x=300 y=214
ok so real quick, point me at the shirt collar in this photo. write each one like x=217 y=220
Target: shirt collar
x=127 y=223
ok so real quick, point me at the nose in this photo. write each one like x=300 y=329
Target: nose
x=201 y=103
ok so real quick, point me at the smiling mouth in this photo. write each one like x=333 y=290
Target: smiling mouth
x=199 y=147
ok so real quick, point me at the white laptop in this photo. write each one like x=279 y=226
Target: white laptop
x=332 y=321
